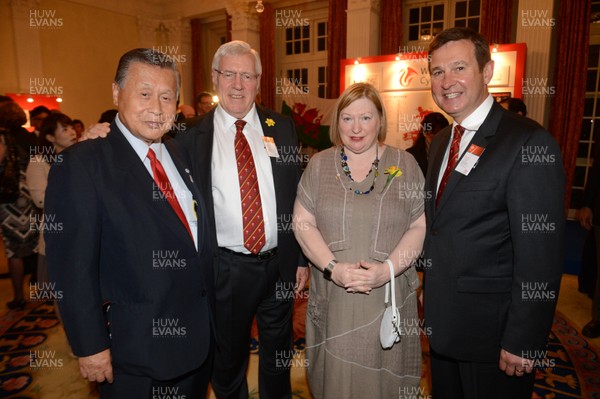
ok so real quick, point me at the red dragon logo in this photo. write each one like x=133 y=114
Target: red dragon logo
x=309 y=119
x=406 y=76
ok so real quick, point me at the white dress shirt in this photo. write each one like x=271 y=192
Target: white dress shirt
x=471 y=124
x=183 y=194
x=226 y=186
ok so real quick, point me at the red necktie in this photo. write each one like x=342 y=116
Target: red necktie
x=161 y=179
x=252 y=215
x=452 y=160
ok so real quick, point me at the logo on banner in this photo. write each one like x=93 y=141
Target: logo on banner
x=406 y=76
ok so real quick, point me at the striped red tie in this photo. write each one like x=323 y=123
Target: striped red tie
x=252 y=215
x=452 y=160
x=161 y=179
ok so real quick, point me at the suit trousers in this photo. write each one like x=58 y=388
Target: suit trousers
x=246 y=287
x=191 y=385
x=454 y=379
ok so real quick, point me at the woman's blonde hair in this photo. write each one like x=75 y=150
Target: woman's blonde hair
x=351 y=94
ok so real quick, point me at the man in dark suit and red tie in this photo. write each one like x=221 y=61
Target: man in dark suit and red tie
x=239 y=150
x=133 y=256
x=495 y=226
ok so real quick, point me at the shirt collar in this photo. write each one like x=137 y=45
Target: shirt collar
x=251 y=118
x=140 y=147
x=475 y=120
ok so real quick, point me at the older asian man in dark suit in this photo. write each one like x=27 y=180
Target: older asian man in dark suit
x=242 y=153
x=135 y=237
x=495 y=225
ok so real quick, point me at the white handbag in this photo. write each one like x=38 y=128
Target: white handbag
x=389 y=332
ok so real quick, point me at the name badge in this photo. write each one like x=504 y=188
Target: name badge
x=270 y=147
x=470 y=159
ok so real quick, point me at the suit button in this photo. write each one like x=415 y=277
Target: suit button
x=203 y=293
x=434 y=232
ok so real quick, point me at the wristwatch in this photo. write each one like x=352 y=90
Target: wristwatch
x=329 y=269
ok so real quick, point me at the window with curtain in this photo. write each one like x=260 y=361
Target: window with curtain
x=466 y=13
x=301 y=49
x=322 y=36
x=424 y=22
x=300 y=77
x=590 y=128
x=322 y=81
x=297 y=40
x=423 y=19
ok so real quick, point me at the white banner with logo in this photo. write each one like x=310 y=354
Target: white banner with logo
x=405 y=87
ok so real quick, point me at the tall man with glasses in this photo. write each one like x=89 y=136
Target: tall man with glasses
x=239 y=156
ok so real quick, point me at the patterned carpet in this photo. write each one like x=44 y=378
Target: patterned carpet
x=20 y=343
x=35 y=361
x=572 y=369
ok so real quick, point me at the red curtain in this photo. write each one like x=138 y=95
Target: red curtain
x=496 y=20
x=267 y=56
x=566 y=107
x=336 y=44
x=228 y=27
x=197 y=60
x=391 y=26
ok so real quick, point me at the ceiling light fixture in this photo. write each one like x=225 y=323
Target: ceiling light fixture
x=259 y=7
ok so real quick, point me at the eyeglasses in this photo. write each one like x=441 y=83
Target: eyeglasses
x=230 y=75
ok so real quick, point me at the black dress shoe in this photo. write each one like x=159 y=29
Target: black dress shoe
x=591 y=329
x=16 y=304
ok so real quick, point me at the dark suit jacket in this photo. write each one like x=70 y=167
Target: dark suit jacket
x=494 y=246
x=119 y=241
x=198 y=140
x=419 y=151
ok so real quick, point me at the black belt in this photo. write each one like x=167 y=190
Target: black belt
x=259 y=256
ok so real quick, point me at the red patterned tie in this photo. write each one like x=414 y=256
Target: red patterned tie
x=161 y=179
x=452 y=160
x=252 y=215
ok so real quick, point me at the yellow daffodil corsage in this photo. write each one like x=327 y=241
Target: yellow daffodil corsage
x=392 y=172
x=270 y=122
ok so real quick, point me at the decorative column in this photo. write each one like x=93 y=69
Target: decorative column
x=535 y=26
x=362 y=37
x=184 y=31
x=147 y=31
x=245 y=23
x=173 y=38
x=28 y=19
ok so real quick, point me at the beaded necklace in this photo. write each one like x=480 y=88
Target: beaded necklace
x=374 y=165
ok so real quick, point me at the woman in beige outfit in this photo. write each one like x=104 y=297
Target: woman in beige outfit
x=358 y=204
